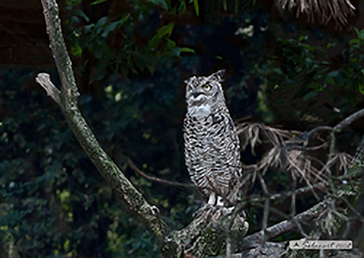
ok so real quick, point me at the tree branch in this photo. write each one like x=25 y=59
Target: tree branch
x=67 y=100
x=285 y=226
x=348 y=120
x=44 y=81
x=156 y=179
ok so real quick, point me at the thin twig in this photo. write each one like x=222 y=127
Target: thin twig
x=265 y=213
x=156 y=179
x=293 y=207
x=318 y=128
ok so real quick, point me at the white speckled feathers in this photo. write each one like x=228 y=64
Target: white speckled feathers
x=212 y=151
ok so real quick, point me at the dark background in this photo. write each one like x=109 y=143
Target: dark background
x=130 y=59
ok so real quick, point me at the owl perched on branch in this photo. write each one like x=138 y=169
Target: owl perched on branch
x=212 y=151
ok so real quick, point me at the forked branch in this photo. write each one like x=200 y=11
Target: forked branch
x=67 y=100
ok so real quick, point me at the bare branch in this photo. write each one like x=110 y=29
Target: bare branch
x=341 y=160
x=265 y=214
x=156 y=179
x=325 y=10
x=285 y=226
x=252 y=133
x=67 y=100
x=348 y=120
x=44 y=81
x=317 y=129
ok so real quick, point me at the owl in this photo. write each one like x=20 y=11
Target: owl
x=211 y=145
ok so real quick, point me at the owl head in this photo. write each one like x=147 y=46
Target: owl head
x=204 y=94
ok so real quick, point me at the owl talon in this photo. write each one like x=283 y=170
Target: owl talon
x=220 y=201
x=212 y=199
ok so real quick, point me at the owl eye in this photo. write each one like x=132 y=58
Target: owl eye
x=189 y=88
x=207 y=86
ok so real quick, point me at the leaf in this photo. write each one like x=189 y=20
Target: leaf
x=109 y=28
x=88 y=28
x=361 y=88
x=331 y=81
x=176 y=51
x=354 y=41
x=170 y=43
x=82 y=14
x=165 y=30
x=151 y=69
x=197 y=9
x=277 y=70
x=139 y=60
x=357 y=31
x=154 y=42
x=75 y=19
x=333 y=74
x=188 y=50
x=99 y=53
x=98 y=2
x=76 y=50
x=159 y=2
x=100 y=23
x=302 y=38
x=309 y=95
x=236 y=6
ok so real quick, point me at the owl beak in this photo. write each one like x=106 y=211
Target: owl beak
x=194 y=93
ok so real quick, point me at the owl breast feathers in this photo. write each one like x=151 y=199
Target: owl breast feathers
x=212 y=151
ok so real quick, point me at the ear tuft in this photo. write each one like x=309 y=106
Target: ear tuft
x=189 y=79
x=219 y=75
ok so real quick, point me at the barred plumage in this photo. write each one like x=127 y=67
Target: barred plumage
x=212 y=151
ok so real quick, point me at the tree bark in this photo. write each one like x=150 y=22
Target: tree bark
x=66 y=98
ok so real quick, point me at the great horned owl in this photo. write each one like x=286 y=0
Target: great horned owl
x=212 y=150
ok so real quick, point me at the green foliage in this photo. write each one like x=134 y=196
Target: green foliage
x=131 y=43
x=305 y=74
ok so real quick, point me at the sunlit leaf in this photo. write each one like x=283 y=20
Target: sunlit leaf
x=187 y=50
x=98 y=2
x=76 y=50
x=165 y=30
x=361 y=89
x=197 y=8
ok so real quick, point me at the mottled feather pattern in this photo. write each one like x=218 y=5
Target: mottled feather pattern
x=212 y=151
